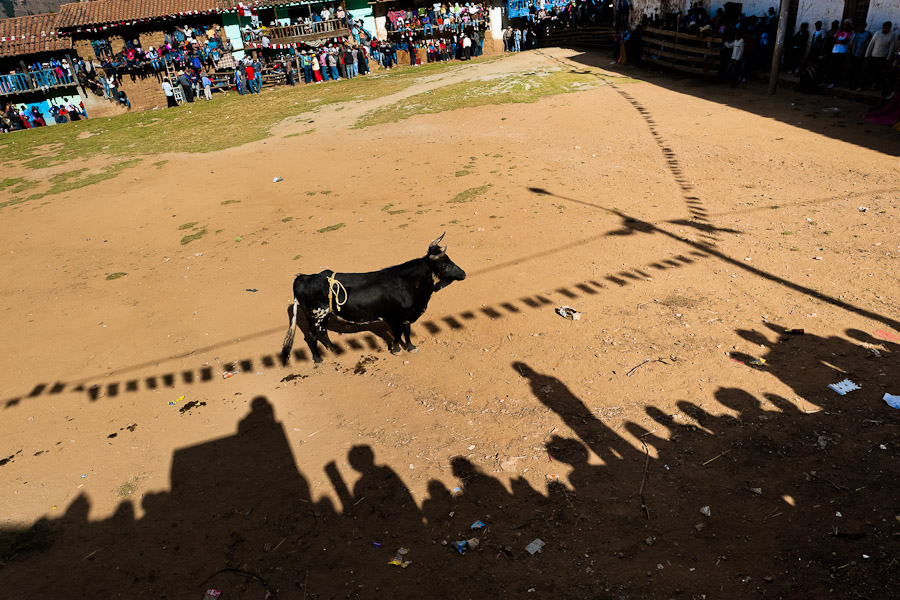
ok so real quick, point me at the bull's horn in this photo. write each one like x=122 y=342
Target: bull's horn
x=437 y=241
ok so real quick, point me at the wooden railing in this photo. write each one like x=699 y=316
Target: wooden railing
x=288 y=33
x=580 y=37
x=682 y=51
x=18 y=82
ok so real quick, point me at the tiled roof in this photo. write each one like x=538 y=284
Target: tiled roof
x=30 y=35
x=101 y=12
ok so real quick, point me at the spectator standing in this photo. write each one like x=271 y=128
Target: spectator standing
x=354 y=60
x=257 y=68
x=796 y=50
x=185 y=84
x=735 y=70
x=857 y=52
x=251 y=78
x=316 y=67
x=880 y=49
x=332 y=63
x=207 y=86
x=840 y=44
x=169 y=92
x=466 y=47
x=112 y=86
x=816 y=43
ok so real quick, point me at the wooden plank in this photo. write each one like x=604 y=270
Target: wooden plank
x=684 y=36
x=707 y=60
x=673 y=65
x=668 y=44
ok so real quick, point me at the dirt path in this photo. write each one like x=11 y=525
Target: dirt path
x=690 y=233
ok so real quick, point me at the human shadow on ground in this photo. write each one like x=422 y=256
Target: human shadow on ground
x=800 y=505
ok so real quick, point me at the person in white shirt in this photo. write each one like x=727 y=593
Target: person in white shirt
x=169 y=92
x=735 y=70
x=881 y=48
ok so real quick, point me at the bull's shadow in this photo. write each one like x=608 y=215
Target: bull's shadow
x=370 y=334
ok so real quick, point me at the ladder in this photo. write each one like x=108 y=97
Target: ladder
x=176 y=88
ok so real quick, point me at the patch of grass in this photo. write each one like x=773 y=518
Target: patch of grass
x=470 y=194
x=325 y=192
x=462 y=173
x=117 y=275
x=334 y=227
x=194 y=236
x=127 y=488
x=387 y=208
x=160 y=163
x=184 y=226
x=287 y=219
x=228 y=121
x=6 y=183
x=227 y=202
x=827 y=232
x=787 y=233
x=506 y=88
x=68 y=181
x=298 y=257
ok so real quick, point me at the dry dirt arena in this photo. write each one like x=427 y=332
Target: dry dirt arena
x=674 y=442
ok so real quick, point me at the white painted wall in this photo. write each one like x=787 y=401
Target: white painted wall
x=496 y=22
x=380 y=28
x=810 y=11
x=754 y=7
x=881 y=11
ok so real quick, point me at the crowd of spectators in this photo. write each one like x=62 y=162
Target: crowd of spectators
x=329 y=19
x=13 y=118
x=848 y=54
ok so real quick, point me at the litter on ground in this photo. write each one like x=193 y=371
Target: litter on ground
x=842 y=387
x=567 y=312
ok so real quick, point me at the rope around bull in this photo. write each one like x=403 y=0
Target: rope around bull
x=335 y=289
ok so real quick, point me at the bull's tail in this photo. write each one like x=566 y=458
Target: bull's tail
x=289 y=336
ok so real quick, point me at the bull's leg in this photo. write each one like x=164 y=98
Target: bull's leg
x=410 y=347
x=312 y=341
x=323 y=335
x=397 y=329
x=318 y=332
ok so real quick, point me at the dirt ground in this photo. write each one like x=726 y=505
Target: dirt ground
x=689 y=223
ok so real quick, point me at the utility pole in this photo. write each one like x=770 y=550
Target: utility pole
x=779 y=45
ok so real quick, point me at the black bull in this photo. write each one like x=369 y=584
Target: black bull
x=396 y=295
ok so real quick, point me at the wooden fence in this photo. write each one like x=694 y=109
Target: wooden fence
x=682 y=51
x=580 y=37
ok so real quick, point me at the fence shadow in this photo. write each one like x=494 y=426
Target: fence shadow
x=808 y=112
